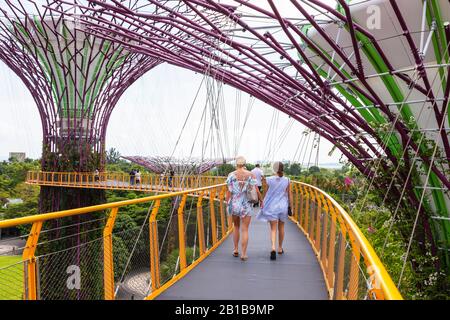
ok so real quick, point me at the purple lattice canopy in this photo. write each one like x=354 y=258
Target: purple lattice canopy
x=378 y=91
x=75 y=78
x=189 y=166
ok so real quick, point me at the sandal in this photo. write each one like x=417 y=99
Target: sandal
x=281 y=252
x=273 y=255
x=244 y=258
x=235 y=254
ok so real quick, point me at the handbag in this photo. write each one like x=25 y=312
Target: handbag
x=252 y=195
x=289 y=211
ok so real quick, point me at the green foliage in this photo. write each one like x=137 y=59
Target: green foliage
x=12 y=185
x=225 y=169
x=314 y=169
x=168 y=266
x=112 y=156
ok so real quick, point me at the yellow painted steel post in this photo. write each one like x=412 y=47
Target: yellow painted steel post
x=318 y=216
x=200 y=225
x=154 y=247
x=339 y=285
x=354 y=272
x=29 y=258
x=306 y=220
x=181 y=234
x=312 y=217
x=323 y=250
x=331 y=246
x=296 y=209
x=222 y=211
x=301 y=211
x=108 y=260
x=212 y=214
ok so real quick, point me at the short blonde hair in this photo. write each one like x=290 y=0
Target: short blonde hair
x=240 y=161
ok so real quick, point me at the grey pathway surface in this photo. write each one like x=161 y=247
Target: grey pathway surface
x=296 y=275
x=115 y=185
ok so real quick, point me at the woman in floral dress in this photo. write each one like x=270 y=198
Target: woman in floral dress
x=239 y=208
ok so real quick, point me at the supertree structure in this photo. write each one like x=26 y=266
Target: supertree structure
x=75 y=79
x=191 y=166
x=377 y=90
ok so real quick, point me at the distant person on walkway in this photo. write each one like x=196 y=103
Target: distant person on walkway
x=239 y=183
x=172 y=174
x=259 y=175
x=137 y=176
x=132 y=176
x=276 y=206
x=96 y=175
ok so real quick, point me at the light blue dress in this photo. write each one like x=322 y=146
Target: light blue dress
x=238 y=204
x=276 y=201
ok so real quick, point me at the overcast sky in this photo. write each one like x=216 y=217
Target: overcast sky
x=149 y=117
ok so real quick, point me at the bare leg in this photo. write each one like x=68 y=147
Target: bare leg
x=280 y=235
x=236 y=227
x=273 y=233
x=244 y=242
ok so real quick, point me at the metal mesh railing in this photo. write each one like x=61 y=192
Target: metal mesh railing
x=72 y=274
x=351 y=268
x=131 y=254
x=121 y=181
x=66 y=257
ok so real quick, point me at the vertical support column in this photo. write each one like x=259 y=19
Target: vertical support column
x=295 y=204
x=301 y=211
x=323 y=250
x=181 y=234
x=306 y=220
x=331 y=246
x=354 y=271
x=222 y=211
x=318 y=218
x=212 y=214
x=154 y=247
x=339 y=284
x=108 y=261
x=312 y=216
x=200 y=225
x=29 y=259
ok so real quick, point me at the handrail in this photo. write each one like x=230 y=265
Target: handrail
x=335 y=238
x=30 y=260
x=72 y=212
x=120 y=181
x=315 y=209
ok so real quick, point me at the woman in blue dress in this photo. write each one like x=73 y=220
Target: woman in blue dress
x=276 y=205
x=238 y=206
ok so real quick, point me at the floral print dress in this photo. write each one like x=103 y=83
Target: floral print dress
x=238 y=204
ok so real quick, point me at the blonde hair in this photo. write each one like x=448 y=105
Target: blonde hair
x=240 y=161
x=278 y=168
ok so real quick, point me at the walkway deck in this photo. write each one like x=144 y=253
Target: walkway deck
x=110 y=185
x=296 y=275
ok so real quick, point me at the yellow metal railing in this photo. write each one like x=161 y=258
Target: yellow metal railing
x=121 y=181
x=351 y=268
x=214 y=194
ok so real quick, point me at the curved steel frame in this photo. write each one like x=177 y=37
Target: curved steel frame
x=288 y=72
